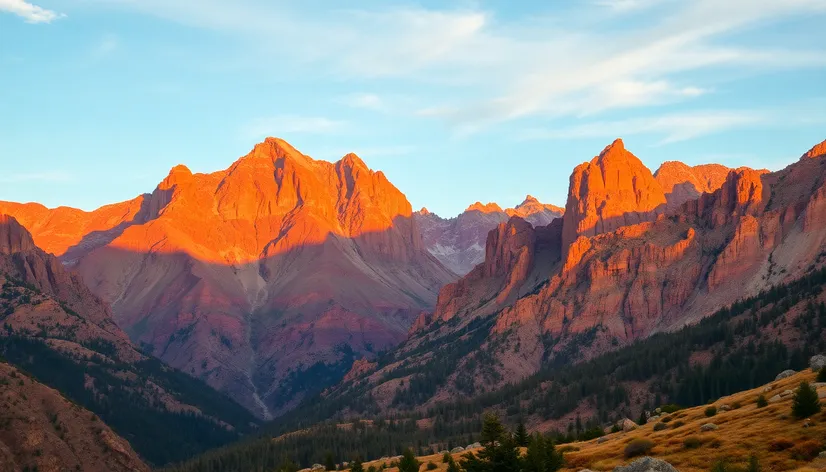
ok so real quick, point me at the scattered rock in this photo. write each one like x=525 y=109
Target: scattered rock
x=822 y=455
x=647 y=464
x=317 y=467
x=658 y=411
x=817 y=362
x=768 y=388
x=708 y=427
x=808 y=424
x=819 y=384
x=627 y=425
x=786 y=393
x=602 y=439
x=653 y=419
x=457 y=450
x=475 y=445
x=725 y=408
x=785 y=374
x=775 y=399
x=345 y=465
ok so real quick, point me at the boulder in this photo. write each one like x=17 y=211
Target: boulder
x=602 y=439
x=627 y=425
x=822 y=455
x=653 y=419
x=475 y=445
x=647 y=464
x=457 y=450
x=725 y=408
x=768 y=388
x=817 y=362
x=785 y=374
x=317 y=467
x=775 y=399
x=786 y=393
x=708 y=427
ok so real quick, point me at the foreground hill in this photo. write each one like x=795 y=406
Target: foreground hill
x=64 y=337
x=266 y=279
x=40 y=430
x=459 y=242
x=741 y=428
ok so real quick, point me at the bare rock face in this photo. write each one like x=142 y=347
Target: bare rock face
x=615 y=189
x=459 y=243
x=614 y=280
x=682 y=183
x=248 y=276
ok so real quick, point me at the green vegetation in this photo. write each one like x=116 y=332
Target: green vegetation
x=711 y=411
x=408 y=462
x=805 y=402
x=821 y=375
x=762 y=402
x=638 y=447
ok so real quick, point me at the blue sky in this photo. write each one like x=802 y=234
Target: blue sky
x=455 y=101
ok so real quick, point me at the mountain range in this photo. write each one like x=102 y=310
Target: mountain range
x=284 y=278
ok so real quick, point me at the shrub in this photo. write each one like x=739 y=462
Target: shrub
x=762 y=402
x=692 y=442
x=446 y=457
x=677 y=424
x=806 y=450
x=805 y=402
x=670 y=408
x=666 y=419
x=660 y=426
x=638 y=447
x=711 y=411
x=780 y=444
x=432 y=466
x=736 y=406
x=821 y=376
x=754 y=464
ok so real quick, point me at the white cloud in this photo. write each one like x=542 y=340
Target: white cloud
x=500 y=69
x=31 y=13
x=282 y=125
x=367 y=101
x=670 y=127
x=106 y=46
x=36 y=177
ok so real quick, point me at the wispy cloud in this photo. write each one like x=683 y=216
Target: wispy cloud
x=282 y=125
x=30 y=12
x=506 y=69
x=107 y=45
x=670 y=128
x=36 y=177
x=367 y=101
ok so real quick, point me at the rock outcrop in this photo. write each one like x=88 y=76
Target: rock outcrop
x=459 y=242
x=647 y=464
x=248 y=276
x=615 y=189
x=682 y=183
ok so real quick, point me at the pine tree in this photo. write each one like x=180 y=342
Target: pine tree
x=452 y=466
x=643 y=419
x=521 y=436
x=499 y=453
x=409 y=463
x=805 y=402
x=541 y=456
x=329 y=461
x=492 y=430
x=821 y=376
x=356 y=465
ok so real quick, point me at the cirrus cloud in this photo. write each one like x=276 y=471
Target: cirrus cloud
x=29 y=12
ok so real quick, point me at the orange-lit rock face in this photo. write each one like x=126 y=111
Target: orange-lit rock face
x=755 y=230
x=682 y=183
x=245 y=275
x=615 y=189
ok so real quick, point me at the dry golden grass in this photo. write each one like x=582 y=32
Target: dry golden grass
x=741 y=432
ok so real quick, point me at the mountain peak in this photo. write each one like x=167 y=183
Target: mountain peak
x=528 y=199
x=353 y=160
x=272 y=148
x=424 y=211
x=485 y=208
x=818 y=150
